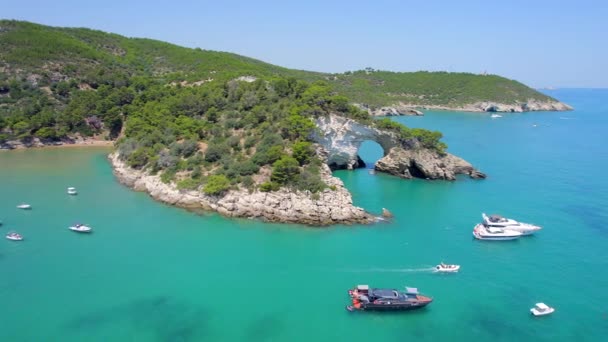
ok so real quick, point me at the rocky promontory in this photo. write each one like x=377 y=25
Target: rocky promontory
x=331 y=206
x=422 y=163
x=393 y=110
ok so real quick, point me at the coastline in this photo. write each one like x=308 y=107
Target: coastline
x=332 y=206
x=413 y=109
x=17 y=145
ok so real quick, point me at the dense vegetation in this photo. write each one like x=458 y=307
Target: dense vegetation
x=189 y=115
x=379 y=88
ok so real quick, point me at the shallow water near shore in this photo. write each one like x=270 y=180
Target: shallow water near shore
x=151 y=272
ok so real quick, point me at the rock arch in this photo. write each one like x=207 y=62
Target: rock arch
x=341 y=138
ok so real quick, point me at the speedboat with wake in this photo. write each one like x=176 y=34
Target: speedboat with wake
x=81 y=228
x=482 y=232
x=24 y=206
x=444 y=268
x=498 y=221
x=14 y=236
x=366 y=299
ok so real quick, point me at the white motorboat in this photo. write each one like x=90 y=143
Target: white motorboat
x=498 y=221
x=494 y=116
x=482 y=232
x=541 y=309
x=14 y=236
x=24 y=206
x=81 y=228
x=72 y=191
x=447 y=268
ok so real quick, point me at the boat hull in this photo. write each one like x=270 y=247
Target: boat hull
x=496 y=238
x=537 y=313
x=393 y=307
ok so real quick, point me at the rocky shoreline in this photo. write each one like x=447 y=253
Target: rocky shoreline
x=333 y=206
x=531 y=105
x=37 y=143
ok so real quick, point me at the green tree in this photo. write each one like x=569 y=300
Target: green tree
x=285 y=170
x=302 y=151
x=216 y=185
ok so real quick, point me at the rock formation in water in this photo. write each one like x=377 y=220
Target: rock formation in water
x=338 y=140
x=342 y=137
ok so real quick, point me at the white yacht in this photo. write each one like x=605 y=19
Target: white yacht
x=494 y=116
x=81 y=228
x=444 y=268
x=498 y=221
x=14 y=236
x=24 y=206
x=72 y=191
x=482 y=232
x=541 y=309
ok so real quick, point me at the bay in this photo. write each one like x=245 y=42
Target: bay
x=151 y=272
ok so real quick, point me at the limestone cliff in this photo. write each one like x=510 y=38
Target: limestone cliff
x=331 y=206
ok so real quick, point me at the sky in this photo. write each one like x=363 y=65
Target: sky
x=540 y=43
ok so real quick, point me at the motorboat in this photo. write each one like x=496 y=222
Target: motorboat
x=24 y=206
x=14 y=236
x=507 y=223
x=72 y=191
x=363 y=298
x=482 y=232
x=444 y=268
x=81 y=228
x=541 y=309
x=494 y=116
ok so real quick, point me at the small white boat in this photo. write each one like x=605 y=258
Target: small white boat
x=541 y=309
x=14 y=236
x=494 y=116
x=507 y=223
x=24 y=206
x=72 y=191
x=482 y=232
x=447 y=268
x=81 y=228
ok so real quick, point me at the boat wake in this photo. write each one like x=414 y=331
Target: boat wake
x=389 y=270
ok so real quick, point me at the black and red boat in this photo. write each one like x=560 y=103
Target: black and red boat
x=364 y=298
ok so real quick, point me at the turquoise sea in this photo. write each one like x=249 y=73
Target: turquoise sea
x=150 y=272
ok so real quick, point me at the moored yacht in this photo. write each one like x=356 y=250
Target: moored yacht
x=72 y=191
x=14 y=236
x=482 y=232
x=364 y=298
x=541 y=309
x=81 y=228
x=498 y=221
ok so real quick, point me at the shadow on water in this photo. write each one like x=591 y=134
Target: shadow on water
x=593 y=216
x=267 y=327
x=167 y=318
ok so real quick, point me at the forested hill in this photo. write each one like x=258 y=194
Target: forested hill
x=49 y=55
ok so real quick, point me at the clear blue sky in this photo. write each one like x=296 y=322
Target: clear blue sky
x=541 y=43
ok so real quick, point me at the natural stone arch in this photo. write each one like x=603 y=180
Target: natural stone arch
x=342 y=138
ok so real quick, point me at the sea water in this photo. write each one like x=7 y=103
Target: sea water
x=151 y=272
